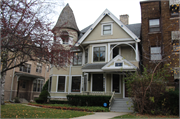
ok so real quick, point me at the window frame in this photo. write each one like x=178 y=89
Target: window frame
x=104 y=82
x=102 y=29
x=155 y=54
x=64 y=84
x=93 y=53
x=38 y=68
x=154 y=26
x=27 y=66
x=41 y=85
x=77 y=59
x=80 y=83
x=86 y=59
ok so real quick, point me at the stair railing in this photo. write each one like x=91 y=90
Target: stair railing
x=111 y=101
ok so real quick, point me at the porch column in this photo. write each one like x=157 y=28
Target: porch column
x=137 y=52
x=108 y=52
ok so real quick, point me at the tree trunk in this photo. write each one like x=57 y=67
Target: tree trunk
x=2 y=87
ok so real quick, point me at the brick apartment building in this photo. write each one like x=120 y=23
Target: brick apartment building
x=161 y=35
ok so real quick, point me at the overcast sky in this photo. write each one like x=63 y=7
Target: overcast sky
x=86 y=12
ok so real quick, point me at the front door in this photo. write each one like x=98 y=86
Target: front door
x=116 y=83
x=126 y=90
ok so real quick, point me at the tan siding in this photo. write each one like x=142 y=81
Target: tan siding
x=128 y=53
x=117 y=32
x=76 y=70
x=59 y=94
x=54 y=84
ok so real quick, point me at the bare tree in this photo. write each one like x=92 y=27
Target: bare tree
x=26 y=35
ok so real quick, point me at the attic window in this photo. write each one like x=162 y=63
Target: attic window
x=106 y=29
x=65 y=37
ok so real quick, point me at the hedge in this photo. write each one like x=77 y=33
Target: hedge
x=88 y=100
x=58 y=102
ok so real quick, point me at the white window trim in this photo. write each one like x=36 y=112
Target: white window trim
x=119 y=84
x=104 y=78
x=97 y=45
x=64 y=84
x=87 y=81
x=80 y=86
x=102 y=26
x=87 y=48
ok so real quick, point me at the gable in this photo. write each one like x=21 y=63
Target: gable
x=119 y=63
x=117 y=31
x=105 y=13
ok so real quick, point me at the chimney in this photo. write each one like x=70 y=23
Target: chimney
x=124 y=19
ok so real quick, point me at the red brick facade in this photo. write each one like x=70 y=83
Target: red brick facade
x=162 y=38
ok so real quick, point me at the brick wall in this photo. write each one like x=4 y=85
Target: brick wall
x=153 y=10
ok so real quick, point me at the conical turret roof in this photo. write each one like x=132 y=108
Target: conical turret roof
x=66 y=19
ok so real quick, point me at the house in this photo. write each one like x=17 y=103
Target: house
x=26 y=81
x=161 y=35
x=103 y=53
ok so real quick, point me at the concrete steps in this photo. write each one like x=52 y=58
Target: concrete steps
x=122 y=105
x=22 y=100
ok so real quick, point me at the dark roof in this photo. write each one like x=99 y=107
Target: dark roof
x=28 y=75
x=135 y=28
x=94 y=66
x=66 y=19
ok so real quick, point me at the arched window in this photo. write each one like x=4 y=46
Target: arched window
x=65 y=37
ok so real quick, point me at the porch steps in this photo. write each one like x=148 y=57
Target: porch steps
x=22 y=100
x=122 y=105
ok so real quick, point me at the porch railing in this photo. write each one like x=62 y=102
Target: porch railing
x=111 y=101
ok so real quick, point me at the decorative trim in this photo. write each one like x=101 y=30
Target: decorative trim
x=109 y=40
x=107 y=12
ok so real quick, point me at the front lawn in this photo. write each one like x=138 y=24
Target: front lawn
x=130 y=115
x=69 y=107
x=21 y=111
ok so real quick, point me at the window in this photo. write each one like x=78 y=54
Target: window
x=77 y=59
x=61 y=84
x=174 y=7
x=98 y=83
x=99 y=54
x=116 y=83
x=154 y=25
x=38 y=85
x=115 y=52
x=25 y=68
x=156 y=53
x=76 y=84
x=39 y=68
x=86 y=56
x=106 y=29
x=50 y=81
x=118 y=64
x=65 y=37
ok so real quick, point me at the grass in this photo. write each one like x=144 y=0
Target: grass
x=130 y=115
x=21 y=111
x=91 y=109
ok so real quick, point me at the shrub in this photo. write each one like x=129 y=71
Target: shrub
x=58 y=102
x=16 y=100
x=88 y=100
x=44 y=94
x=39 y=100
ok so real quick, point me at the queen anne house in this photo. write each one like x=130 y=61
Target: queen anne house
x=103 y=53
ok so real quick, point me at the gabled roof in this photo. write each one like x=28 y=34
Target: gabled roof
x=66 y=19
x=107 y=12
x=126 y=65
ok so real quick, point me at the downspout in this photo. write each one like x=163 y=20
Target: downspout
x=69 y=79
x=12 y=81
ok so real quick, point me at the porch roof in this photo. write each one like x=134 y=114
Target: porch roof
x=94 y=66
x=28 y=75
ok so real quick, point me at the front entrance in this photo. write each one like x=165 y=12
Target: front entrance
x=116 y=83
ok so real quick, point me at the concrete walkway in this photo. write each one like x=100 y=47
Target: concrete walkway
x=101 y=115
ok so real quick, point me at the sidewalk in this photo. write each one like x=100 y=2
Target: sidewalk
x=101 y=115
